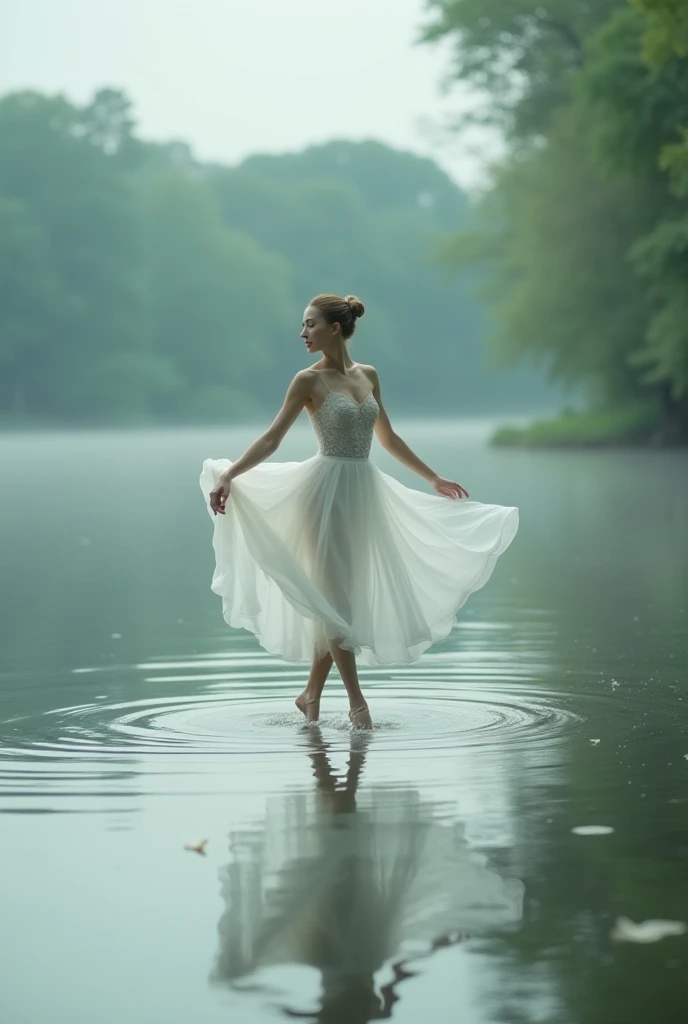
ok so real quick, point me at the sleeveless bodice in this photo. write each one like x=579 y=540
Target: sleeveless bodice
x=344 y=427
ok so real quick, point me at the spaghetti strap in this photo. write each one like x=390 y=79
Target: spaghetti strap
x=317 y=372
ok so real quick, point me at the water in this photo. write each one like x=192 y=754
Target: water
x=431 y=870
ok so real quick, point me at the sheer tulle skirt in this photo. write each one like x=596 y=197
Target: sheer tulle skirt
x=335 y=549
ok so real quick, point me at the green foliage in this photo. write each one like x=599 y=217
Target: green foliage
x=79 y=212
x=374 y=217
x=638 y=110
x=619 y=425
x=559 y=282
x=138 y=284
x=666 y=37
x=633 y=110
x=666 y=28
x=345 y=211
x=385 y=179
x=523 y=55
x=216 y=298
x=583 y=237
x=32 y=306
x=662 y=257
x=674 y=160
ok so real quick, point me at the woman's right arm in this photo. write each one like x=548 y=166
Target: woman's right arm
x=267 y=444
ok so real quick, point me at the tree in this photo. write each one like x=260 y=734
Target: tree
x=637 y=112
x=521 y=55
x=77 y=198
x=364 y=218
x=218 y=302
x=553 y=239
x=584 y=234
x=108 y=124
x=32 y=306
x=385 y=179
x=666 y=29
x=140 y=283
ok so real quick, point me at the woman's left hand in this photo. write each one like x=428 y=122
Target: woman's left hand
x=448 y=488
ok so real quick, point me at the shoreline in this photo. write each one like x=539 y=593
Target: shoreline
x=633 y=426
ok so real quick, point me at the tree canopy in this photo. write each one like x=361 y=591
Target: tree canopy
x=139 y=284
x=582 y=237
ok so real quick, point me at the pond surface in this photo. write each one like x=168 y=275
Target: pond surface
x=430 y=871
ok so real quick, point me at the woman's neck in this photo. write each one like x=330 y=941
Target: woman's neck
x=340 y=361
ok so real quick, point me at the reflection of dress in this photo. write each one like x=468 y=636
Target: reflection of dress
x=332 y=547
x=345 y=884
x=344 y=892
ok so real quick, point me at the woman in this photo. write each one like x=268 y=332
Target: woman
x=328 y=558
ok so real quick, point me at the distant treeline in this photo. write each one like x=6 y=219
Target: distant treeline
x=583 y=241
x=137 y=284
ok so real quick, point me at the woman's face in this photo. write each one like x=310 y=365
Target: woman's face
x=317 y=333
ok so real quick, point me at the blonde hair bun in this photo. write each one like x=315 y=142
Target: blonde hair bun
x=357 y=307
x=337 y=310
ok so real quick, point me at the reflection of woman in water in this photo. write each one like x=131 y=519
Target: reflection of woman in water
x=330 y=557
x=344 y=884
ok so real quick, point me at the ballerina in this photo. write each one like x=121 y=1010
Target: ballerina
x=330 y=558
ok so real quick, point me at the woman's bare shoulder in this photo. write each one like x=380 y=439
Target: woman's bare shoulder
x=305 y=381
x=370 y=372
x=306 y=378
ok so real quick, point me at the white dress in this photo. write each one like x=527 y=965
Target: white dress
x=333 y=548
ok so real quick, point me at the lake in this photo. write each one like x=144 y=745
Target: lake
x=525 y=787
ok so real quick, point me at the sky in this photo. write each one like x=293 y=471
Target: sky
x=237 y=77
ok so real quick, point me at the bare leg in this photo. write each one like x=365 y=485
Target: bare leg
x=309 y=700
x=346 y=664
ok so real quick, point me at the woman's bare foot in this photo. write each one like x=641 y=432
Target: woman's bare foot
x=308 y=706
x=360 y=717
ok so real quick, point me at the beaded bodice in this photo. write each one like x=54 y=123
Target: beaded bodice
x=344 y=427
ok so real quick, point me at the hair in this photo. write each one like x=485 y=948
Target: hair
x=337 y=310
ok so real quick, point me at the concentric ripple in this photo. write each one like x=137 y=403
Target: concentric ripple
x=232 y=721
x=227 y=705
x=216 y=707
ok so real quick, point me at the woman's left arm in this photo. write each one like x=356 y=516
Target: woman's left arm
x=397 y=447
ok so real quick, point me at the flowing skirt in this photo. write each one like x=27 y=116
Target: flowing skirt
x=335 y=549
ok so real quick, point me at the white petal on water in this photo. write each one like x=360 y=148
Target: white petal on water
x=594 y=742
x=116 y=636
x=197 y=846
x=626 y=930
x=592 y=830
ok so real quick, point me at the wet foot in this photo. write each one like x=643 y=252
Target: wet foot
x=360 y=717
x=308 y=706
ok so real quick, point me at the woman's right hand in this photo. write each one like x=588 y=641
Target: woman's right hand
x=220 y=493
x=268 y=442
